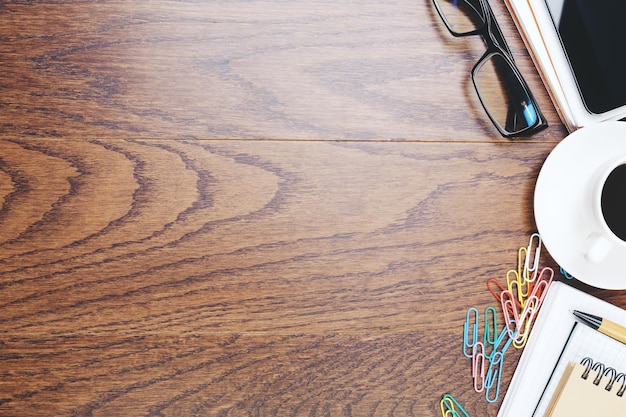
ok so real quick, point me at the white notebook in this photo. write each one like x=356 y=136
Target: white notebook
x=535 y=25
x=555 y=342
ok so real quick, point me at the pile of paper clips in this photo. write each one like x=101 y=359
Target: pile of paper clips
x=525 y=290
x=520 y=299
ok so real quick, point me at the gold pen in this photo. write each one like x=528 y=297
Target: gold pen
x=602 y=325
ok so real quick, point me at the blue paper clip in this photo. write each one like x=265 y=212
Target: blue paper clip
x=470 y=341
x=503 y=335
x=492 y=380
x=565 y=274
x=495 y=360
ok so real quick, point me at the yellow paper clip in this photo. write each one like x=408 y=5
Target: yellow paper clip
x=512 y=280
x=450 y=407
x=447 y=407
x=515 y=284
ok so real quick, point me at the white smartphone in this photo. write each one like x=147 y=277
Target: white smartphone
x=576 y=46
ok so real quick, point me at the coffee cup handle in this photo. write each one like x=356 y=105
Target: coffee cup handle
x=597 y=249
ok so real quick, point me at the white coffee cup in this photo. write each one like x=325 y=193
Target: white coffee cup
x=584 y=238
x=606 y=214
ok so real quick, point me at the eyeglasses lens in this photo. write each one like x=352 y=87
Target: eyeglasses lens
x=503 y=94
x=461 y=16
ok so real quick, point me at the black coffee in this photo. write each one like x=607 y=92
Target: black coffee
x=613 y=201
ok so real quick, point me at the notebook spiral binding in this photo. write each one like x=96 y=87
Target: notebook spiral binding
x=602 y=371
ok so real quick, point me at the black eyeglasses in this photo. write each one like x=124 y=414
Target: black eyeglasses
x=502 y=91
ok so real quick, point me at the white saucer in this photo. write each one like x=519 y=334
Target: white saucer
x=562 y=189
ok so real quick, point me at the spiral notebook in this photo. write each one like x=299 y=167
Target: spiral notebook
x=588 y=389
x=556 y=342
x=584 y=345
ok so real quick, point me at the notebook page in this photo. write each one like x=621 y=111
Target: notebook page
x=584 y=342
x=577 y=396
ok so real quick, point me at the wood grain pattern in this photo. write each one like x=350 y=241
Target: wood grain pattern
x=233 y=375
x=267 y=278
x=230 y=223
x=361 y=69
x=249 y=208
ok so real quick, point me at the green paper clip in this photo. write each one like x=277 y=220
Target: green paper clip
x=450 y=407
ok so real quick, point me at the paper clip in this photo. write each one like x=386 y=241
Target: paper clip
x=523 y=329
x=543 y=283
x=450 y=407
x=511 y=315
x=478 y=367
x=524 y=322
x=523 y=280
x=490 y=334
x=495 y=292
x=512 y=279
x=565 y=273
x=494 y=375
x=522 y=255
x=503 y=335
x=491 y=283
x=532 y=306
x=528 y=268
x=541 y=286
x=470 y=341
x=515 y=285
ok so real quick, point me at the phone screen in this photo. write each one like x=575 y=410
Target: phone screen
x=593 y=33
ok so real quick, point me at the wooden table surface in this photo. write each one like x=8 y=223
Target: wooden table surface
x=250 y=208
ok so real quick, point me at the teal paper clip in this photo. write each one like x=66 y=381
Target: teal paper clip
x=450 y=407
x=492 y=338
x=471 y=320
x=491 y=335
x=503 y=335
